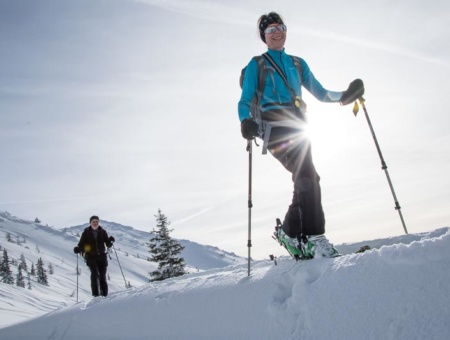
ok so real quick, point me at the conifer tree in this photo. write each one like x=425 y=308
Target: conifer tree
x=41 y=272
x=5 y=270
x=20 y=279
x=23 y=263
x=32 y=271
x=165 y=251
x=29 y=281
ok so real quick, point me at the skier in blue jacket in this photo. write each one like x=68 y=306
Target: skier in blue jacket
x=283 y=114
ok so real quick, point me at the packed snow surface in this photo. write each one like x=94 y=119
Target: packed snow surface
x=397 y=290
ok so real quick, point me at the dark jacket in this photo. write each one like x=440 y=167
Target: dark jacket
x=91 y=246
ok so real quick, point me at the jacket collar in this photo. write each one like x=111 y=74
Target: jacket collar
x=276 y=54
x=92 y=229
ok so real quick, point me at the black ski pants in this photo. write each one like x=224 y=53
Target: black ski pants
x=98 y=265
x=290 y=145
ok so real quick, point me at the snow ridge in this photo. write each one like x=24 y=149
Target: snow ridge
x=399 y=291
x=55 y=247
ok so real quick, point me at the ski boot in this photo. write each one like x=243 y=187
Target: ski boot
x=318 y=246
x=291 y=244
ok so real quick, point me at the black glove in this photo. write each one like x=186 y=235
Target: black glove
x=354 y=91
x=112 y=239
x=249 y=129
x=76 y=250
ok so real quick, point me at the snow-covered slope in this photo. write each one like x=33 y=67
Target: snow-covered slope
x=55 y=247
x=132 y=241
x=398 y=291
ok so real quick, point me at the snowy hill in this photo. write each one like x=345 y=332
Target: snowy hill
x=55 y=247
x=398 y=290
x=132 y=241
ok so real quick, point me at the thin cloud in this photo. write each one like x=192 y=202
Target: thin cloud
x=192 y=216
x=370 y=44
x=229 y=14
x=204 y=10
x=60 y=199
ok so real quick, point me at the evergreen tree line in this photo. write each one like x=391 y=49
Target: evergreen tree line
x=18 y=240
x=165 y=251
x=6 y=274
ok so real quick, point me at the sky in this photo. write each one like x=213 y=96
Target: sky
x=119 y=108
x=383 y=293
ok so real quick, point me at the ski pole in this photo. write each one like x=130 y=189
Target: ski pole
x=77 y=277
x=250 y=204
x=383 y=163
x=126 y=285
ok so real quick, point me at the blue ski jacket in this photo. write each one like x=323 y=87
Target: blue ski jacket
x=276 y=94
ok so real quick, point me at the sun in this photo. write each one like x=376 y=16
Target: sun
x=328 y=132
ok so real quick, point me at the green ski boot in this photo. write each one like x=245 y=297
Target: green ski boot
x=291 y=244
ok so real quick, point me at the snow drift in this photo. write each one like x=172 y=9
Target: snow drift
x=399 y=291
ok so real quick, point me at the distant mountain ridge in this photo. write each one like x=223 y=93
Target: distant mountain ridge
x=196 y=255
x=55 y=247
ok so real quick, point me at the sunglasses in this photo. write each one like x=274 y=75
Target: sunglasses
x=272 y=29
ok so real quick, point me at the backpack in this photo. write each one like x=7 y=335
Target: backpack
x=263 y=68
